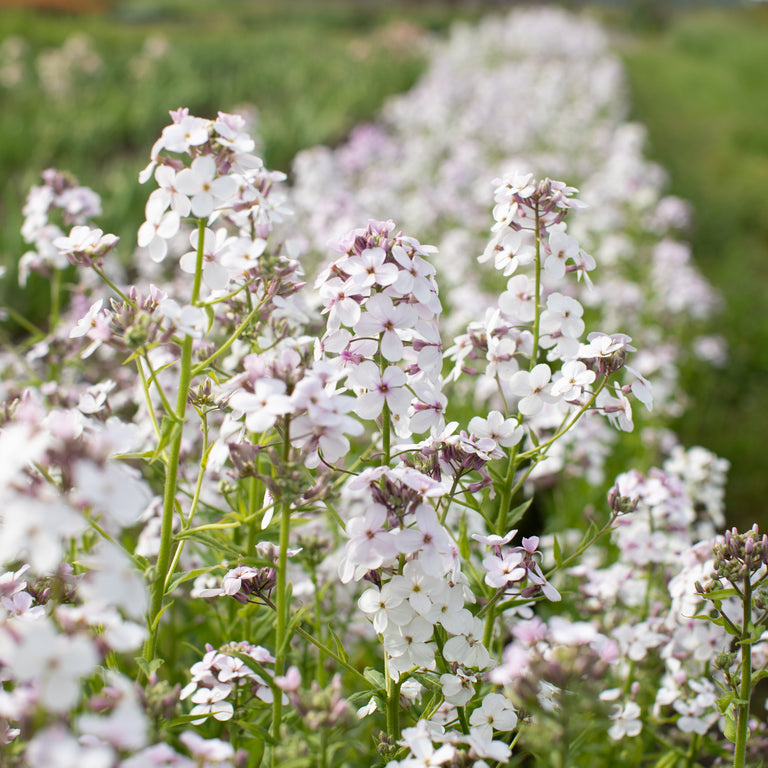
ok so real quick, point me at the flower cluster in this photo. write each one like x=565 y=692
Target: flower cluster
x=257 y=488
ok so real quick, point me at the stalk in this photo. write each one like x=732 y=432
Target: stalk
x=393 y=709
x=385 y=435
x=537 y=294
x=745 y=691
x=162 y=571
x=281 y=601
x=169 y=501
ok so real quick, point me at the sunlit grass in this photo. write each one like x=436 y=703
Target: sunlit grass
x=699 y=87
x=312 y=70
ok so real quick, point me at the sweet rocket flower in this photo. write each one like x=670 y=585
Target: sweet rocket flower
x=426 y=412
x=503 y=569
x=36 y=652
x=458 y=689
x=518 y=302
x=467 y=648
x=369 y=545
x=321 y=420
x=161 y=225
x=112 y=581
x=369 y=268
x=262 y=406
x=204 y=186
x=495 y=714
x=409 y=646
x=384 y=606
x=415 y=585
x=626 y=721
x=125 y=726
x=113 y=491
x=561 y=248
x=84 y=245
x=573 y=377
x=168 y=194
x=533 y=389
x=211 y=701
x=215 y=276
x=55 y=747
x=562 y=316
x=379 y=388
x=37 y=530
x=382 y=317
x=207 y=750
x=505 y=432
x=509 y=250
x=418 y=741
x=185 y=132
x=189 y=320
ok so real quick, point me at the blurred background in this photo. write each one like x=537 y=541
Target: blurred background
x=86 y=85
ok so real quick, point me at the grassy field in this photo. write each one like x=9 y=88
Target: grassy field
x=95 y=106
x=699 y=86
x=89 y=93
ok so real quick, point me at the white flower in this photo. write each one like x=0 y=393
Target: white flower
x=37 y=652
x=495 y=714
x=55 y=747
x=505 y=432
x=115 y=491
x=626 y=721
x=533 y=388
x=201 y=183
x=161 y=225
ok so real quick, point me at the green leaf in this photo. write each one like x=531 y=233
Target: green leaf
x=256 y=730
x=186 y=576
x=215 y=545
x=427 y=680
x=168 y=428
x=721 y=594
x=463 y=538
x=557 y=552
x=668 y=761
x=730 y=726
x=376 y=677
x=149 y=667
x=724 y=702
x=294 y=622
x=156 y=623
x=759 y=675
x=343 y=655
x=517 y=513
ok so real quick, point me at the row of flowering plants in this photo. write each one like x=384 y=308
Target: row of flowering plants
x=240 y=528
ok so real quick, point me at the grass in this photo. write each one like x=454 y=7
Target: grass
x=293 y=59
x=699 y=87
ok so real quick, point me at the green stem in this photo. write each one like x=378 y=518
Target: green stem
x=221 y=349
x=199 y=261
x=745 y=692
x=195 y=501
x=55 y=300
x=335 y=656
x=393 y=709
x=537 y=295
x=506 y=494
x=690 y=761
x=114 y=288
x=385 y=435
x=281 y=597
x=24 y=323
x=162 y=572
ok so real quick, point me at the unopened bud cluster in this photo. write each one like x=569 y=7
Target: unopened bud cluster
x=740 y=554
